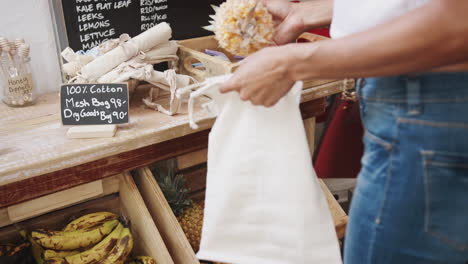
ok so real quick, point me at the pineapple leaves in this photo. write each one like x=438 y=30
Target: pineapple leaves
x=172 y=185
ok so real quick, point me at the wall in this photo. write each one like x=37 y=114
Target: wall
x=31 y=20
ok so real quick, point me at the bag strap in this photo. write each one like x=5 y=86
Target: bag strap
x=201 y=89
x=191 y=102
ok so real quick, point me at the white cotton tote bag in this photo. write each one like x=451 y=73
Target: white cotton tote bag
x=263 y=204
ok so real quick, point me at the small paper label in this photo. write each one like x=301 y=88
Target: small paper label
x=21 y=85
x=94 y=104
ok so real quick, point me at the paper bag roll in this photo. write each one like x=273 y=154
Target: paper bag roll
x=145 y=41
x=163 y=52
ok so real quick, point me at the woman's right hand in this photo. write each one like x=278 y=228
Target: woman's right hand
x=289 y=24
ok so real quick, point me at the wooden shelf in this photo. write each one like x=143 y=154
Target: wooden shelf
x=118 y=194
x=38 y=159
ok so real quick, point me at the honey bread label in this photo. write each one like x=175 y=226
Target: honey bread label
x=21 y=85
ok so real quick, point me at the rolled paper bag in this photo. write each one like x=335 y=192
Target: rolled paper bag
x=68 y=54
x=169 y=48
x=111 y=44
x=168 y=80
x=71 y=69
x=175 y=82
x=85 y=59
x=161 y=53
x=163 y=81
x=122 y=72
x=142 y=72
x=75 y=61
x=156 y=35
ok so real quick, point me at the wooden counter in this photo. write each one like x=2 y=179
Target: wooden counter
x=37 y=159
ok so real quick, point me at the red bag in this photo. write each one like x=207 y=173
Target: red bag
x=339 y=154
x=340 y=151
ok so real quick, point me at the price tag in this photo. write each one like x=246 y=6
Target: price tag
x=94 y=104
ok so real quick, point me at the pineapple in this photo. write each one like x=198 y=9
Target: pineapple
x=191 y=221
x=242 y=27
x=188 y=213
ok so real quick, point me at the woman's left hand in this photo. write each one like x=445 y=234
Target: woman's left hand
x=262 y=78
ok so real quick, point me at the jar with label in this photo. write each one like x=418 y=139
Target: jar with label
x=18 y=86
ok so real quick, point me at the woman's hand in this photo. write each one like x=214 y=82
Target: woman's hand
x=293 y=19
x=289 y=24
x=263 y=78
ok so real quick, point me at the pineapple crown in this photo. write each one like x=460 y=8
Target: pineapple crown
x=173 y=186
x=242 y=27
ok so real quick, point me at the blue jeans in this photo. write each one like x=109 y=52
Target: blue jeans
x=410 y=205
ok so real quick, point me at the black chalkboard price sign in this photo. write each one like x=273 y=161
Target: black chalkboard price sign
x=94 y=104
x=90 y=22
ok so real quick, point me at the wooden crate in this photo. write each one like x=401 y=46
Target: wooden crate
x=171 y=232
x=117 y=194
x=195 y=177
x=191 y=51
x=168 y=225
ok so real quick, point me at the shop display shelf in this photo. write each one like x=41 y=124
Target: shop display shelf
x=195 y=177
x=191 y=166
x=117 y=194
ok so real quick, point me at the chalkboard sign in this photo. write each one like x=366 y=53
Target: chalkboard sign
x=90 y=22
x=94 y=104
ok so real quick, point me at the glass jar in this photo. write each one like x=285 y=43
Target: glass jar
x=18 y=85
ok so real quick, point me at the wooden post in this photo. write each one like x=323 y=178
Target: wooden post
x=309 y=125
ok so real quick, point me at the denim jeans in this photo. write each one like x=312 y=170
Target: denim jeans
x=410 y=205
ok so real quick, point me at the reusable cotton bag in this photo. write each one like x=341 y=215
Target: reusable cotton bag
x=264 y=204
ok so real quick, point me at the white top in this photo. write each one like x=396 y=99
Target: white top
x=352 y=16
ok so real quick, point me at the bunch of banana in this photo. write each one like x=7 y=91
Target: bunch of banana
x=142 y=260
x=93 y=238
x=75 y=239
x=114 y=248
x=90 y=220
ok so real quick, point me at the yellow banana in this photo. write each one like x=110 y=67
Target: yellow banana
x=49 y=253
x=64 y=240
x=90 y=220
x=93 y=255
x=36 y=249
x=121 y=250
x=145 y=260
